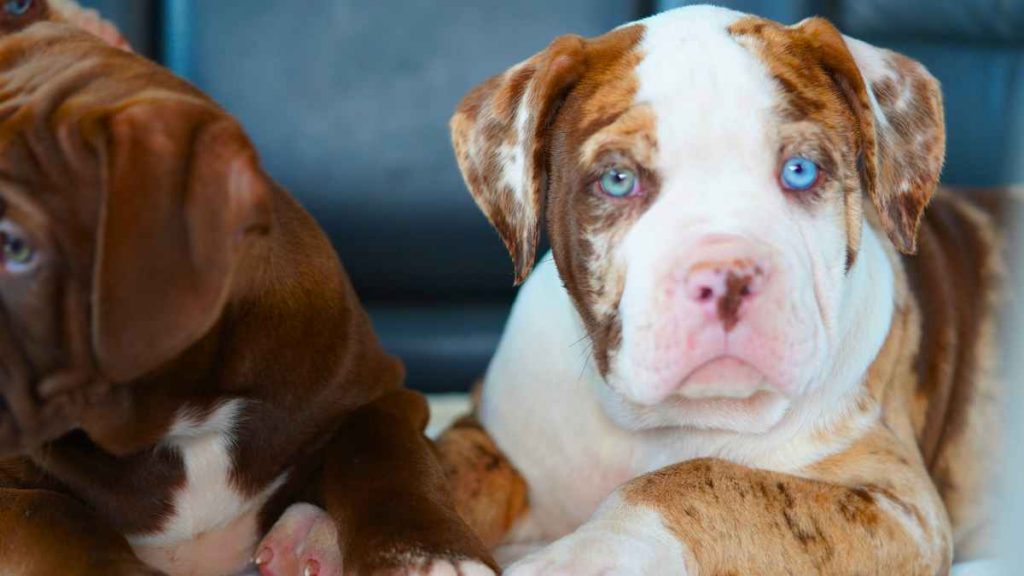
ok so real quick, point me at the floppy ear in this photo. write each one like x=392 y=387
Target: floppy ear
x=183 y=191
x=500 y=137
x=898 y=105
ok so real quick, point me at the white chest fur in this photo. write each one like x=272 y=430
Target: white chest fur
x=214 y=527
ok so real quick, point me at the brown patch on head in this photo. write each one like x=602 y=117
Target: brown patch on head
x=893 y=153
x=820 y=95
x=611 y=81
x=633 y=134
x=541 y=134
x=601 y=127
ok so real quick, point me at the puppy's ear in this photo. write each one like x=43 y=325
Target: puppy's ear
x=500 y=135
x=183 y=192
x=898 y=105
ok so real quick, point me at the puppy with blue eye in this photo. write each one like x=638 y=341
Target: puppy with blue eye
x=752 y=350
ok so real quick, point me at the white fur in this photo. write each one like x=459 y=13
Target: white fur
x=513 y=155
x=717 y=162
x=621 y=539
x=446 y=568
x=213 y=524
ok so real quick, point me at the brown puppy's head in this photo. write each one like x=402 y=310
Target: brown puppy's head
x=126 y=201
x=16 y=15
x=704 y=174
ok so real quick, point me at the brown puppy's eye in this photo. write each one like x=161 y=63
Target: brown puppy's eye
x=17 y=7
x=17 y=253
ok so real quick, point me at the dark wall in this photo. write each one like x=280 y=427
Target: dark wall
x=348 y=102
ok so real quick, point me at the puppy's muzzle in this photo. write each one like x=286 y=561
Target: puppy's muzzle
x=35 y=410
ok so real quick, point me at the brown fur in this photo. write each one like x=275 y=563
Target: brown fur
x=166 y=253
x=488 y=116
x=899 y=160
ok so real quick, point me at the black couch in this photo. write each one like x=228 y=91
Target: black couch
x=348 y=102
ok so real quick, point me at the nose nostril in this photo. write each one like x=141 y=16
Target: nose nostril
x=745 y=290
x=706 y=294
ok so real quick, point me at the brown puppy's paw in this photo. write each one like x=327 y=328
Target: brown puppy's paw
x=303 y=542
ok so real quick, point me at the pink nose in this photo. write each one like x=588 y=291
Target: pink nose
x=721 y=288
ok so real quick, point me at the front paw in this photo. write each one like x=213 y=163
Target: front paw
x=303 y=542
x=595 y=551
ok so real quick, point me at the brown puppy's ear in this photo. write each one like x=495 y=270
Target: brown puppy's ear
x=184 y=190
x=500 y=137
x=898 y=105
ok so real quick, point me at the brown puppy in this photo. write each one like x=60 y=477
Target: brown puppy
x=181 y=354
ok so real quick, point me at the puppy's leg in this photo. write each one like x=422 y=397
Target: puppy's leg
x=44 y=532
x=870 y=510
x=489 y=492
x=388 y=496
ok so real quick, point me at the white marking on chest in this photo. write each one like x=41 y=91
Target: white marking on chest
x=209 y=500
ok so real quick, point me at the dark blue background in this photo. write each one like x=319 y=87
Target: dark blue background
x=348 y=102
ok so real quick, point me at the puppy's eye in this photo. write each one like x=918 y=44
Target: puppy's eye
x=799 y=173
x=619 y=182
x=17 y=7
x=17 y=253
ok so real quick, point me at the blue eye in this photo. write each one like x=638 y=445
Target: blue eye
x=798 y=173
x=17 y=7
x=618 y=182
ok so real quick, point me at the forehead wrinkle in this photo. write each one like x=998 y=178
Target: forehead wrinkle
x=633 y=133
x=712 y=98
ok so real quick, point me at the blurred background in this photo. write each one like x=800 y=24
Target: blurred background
x=348 y=102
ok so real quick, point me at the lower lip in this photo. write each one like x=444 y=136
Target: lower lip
x=723 y=377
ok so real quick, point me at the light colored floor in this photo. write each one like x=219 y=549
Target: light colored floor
x=444 y=409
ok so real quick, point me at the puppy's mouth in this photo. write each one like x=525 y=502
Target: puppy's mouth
x=724 y=377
